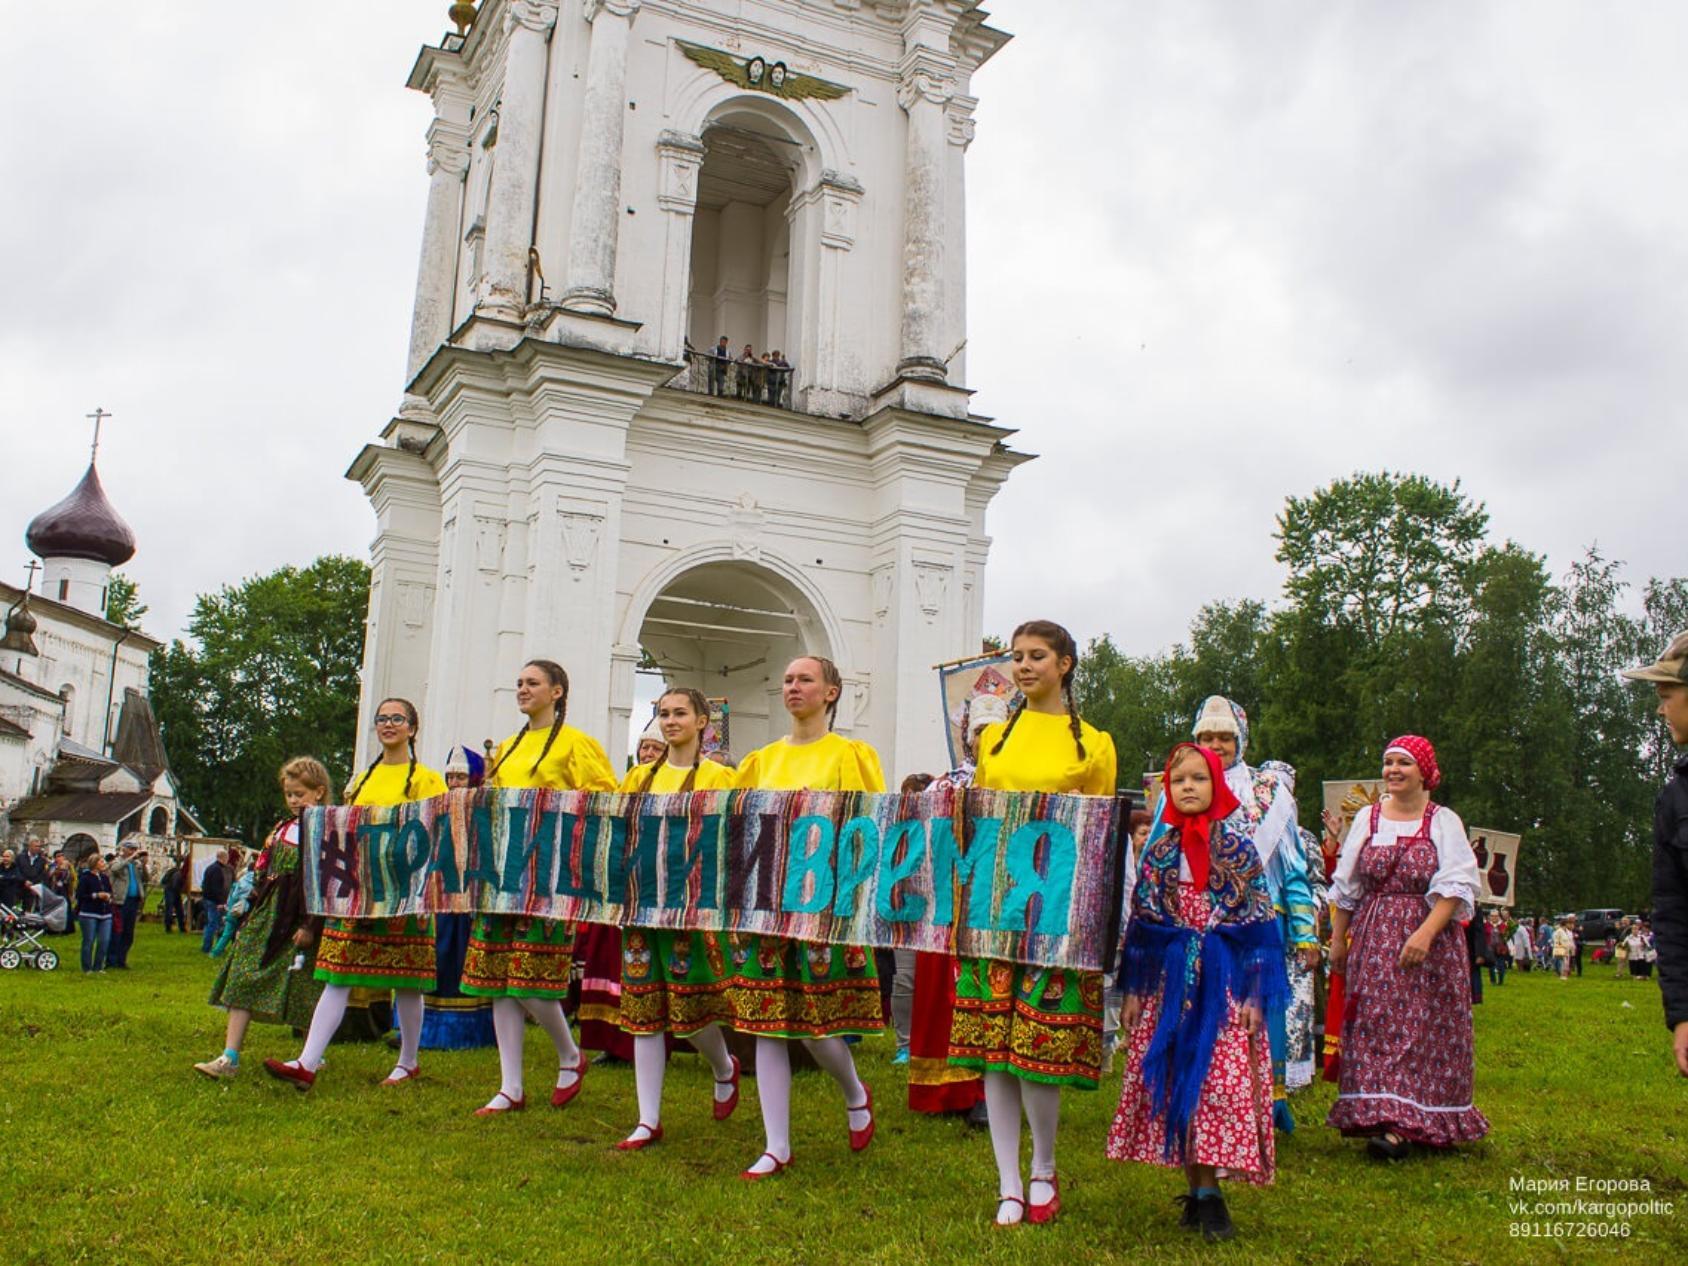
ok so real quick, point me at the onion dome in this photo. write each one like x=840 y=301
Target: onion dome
x=83 y=525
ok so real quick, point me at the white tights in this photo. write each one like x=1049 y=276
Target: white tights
x=1005 y=1096
x=331 y=1010
x=773 y=1088
x=650 y=1063
x=507 y=1024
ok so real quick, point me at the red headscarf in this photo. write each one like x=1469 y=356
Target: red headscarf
x=1423 y=755
x=1193 y=829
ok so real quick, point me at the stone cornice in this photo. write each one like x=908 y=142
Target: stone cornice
x=628 y=9
x=42 y=605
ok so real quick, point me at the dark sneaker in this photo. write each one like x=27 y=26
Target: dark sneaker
x=1213 y=1219
x=1187 y=1218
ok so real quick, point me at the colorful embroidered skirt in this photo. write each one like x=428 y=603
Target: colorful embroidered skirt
x=674 y=981
x=934 y=1084
x=793 y=989
x=514 y=957
x=377 y=953
x=598 y=951
x=1040 y=1023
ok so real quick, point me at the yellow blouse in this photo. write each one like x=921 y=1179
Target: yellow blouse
x=670 y=778
x=576 y=762
x=832 y=763
x=1040 y=756
x=385 y=785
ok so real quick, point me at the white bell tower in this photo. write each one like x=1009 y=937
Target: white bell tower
x=615 y=186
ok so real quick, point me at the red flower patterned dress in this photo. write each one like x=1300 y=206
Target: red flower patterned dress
x=1407 y=1059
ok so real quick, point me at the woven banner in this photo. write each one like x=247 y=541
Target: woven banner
x=1011 y=875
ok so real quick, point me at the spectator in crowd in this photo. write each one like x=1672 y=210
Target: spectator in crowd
x=214 y=892
x=1500 y=948
x=1669 y=678
x=1523 y=946
x=1562 y=949
x=61 y=879
x=34 y=866
x=128 y=891
x=1576 y=945
x=174 y=881
x=718 y=362
x=11 y=881
x=750 y=374
x=93 y=913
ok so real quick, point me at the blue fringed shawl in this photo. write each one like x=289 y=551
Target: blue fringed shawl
x=1197 y=971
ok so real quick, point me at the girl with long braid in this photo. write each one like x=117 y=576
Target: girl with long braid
x=676 y=982
x=396 y=954
x=785 y=989
x=1032 y=1030
x=523 y=964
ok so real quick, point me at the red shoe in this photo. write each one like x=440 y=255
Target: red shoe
x=1041 y=1213
x=1002 y=1200
x=513 y=1105
x=654 y=1135
x=296 y=1075
x=724 y=1107
x=400 y=1075
x=561 y=1097
x=859 y=1139
x=780 y=1166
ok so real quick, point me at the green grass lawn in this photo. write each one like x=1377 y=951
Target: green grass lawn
x=113 y=1150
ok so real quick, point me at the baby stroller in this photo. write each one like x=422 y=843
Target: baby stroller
x=20 y=933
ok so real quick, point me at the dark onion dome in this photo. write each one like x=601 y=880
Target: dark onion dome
x=83 y=525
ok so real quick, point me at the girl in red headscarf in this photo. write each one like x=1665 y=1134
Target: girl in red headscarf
x=1405 y=877
x=1204 y=961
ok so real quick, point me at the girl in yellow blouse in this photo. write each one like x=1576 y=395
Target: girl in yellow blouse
x=796 y=989
x=1032 y=1030
x=523 y=964
x=676 y=981
x=396 y=954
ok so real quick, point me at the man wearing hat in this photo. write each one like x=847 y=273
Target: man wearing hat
x=129 y=887
x=1669 y=677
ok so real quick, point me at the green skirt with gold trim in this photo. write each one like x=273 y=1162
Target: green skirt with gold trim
x=1040 y=1023
x=377 y=953
x=674 y=981
x=796 y=989
x=512 y=956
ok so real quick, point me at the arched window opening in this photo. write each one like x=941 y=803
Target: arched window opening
x=741 y=261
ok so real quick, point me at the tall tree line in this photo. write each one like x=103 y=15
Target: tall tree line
x=1400 y=614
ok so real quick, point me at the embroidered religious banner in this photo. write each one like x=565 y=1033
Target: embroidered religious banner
x=1021 y=876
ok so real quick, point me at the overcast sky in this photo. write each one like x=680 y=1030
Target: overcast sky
x=1219 y=254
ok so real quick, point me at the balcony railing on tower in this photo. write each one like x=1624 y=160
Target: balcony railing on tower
x=764 y=379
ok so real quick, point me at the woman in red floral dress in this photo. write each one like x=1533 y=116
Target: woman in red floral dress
x=1204 y=961
x=1406 y=877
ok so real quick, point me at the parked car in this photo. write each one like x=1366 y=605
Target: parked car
x=1596 y=925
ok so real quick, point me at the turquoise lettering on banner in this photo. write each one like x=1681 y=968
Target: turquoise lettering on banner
x=483 y=867
x=518 y=847
x=444 y=863
x=582 y=882
x=816 y=862
x=976 y=869
x=679 y=862
x=858 y=854
x=544 y=849
x=645 y=892
x=373 y=838
x=410 y=857
x=615 y=878
x=1053 y=887
x=893 y=870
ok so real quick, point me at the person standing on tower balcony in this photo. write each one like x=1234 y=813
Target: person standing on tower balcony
x=718 y=362
x=779 y=380
x=750 y=375
x=784 y=989
x=523 y=964
x=1033 y=1030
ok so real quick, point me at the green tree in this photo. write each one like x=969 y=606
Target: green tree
x=269 y=671
x=123 y=601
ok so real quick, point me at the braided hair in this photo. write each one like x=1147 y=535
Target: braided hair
x=415 y=719
x=557 y=677
x=700 y=705
x=1061 y=642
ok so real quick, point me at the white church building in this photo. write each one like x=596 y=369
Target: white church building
x=614 y=187
x=82 y=761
